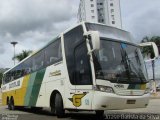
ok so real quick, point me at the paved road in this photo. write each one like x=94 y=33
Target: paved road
x=150 y=113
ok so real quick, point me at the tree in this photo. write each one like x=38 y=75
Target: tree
x=22 y=55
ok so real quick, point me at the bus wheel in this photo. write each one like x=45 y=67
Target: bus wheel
x=11 y=104
x=100 y=113
x=9 y=107
x=59 y=109
x=8 y=103
x=36 y=108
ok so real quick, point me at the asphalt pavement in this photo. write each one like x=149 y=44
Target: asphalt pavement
x=149 y=113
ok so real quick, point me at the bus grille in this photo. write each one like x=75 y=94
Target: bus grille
x=130 y=92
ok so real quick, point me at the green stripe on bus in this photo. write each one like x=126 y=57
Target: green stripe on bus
x=36 y=87
x=29 y=89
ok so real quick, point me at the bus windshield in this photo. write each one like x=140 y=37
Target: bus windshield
x=119 y=62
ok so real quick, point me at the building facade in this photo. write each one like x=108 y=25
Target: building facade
x=100 y=11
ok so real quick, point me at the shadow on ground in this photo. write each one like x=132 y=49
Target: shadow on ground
x=46 y=115
x=68 y=116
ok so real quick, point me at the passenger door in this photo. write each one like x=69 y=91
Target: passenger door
x=82 y=99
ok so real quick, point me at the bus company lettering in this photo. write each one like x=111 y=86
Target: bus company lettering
x=119 y=86
x=56 y=73
x=14 y=84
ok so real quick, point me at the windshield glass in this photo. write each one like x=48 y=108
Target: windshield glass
x=119 y=62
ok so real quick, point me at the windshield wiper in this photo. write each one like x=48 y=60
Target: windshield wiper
x=136 y=70
x=124 y=61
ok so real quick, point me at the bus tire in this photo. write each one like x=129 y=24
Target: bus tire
x=59 y=109
x=53 y=112
x=11 y=104
x=36 y=108
x=8 y=102
x=100 y=113
x=9 y=107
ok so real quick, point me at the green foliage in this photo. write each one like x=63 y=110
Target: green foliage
x=22 y=55
x=146 y=50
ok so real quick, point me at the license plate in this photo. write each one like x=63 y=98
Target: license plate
x=131 y=101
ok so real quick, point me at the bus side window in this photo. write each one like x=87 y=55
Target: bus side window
x=4 y=79
x=52 y=53
x=8 y=77
x=37 y=61
x=83 y=69
x=27 y=66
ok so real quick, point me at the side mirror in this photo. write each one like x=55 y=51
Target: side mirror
x=95 y=39
x=151 y=49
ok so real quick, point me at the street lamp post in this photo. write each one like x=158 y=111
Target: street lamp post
x=14 y=44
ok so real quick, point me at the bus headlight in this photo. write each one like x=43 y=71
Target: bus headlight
x=104 y=88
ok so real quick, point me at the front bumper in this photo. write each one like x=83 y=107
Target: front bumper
x=109 y=101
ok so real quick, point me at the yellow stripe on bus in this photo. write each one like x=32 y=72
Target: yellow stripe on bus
x=143 y=86
x=18 y=94
x=22 y=91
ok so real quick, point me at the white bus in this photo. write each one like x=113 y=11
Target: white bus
x=90 y=67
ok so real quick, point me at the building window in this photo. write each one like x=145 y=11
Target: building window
x=112 y=10
x=92 y=5
x=93 y=17
x=101 y=14
x=100 y=3
x=113 y=18
x=111 y=4
x=91 y=0
x=92 y=11
x=101 y=20
x=113 y=22
x=101 y=9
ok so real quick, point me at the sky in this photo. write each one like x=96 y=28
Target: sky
x=33 y=23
